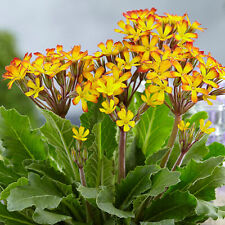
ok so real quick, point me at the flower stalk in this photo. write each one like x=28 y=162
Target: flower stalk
x=171 y=140
x=122 y=155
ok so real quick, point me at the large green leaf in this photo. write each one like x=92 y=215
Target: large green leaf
x=205 y=188
x=162 y=179
x=195 y=171
x=7 y=174
x=43 y=167
x=163 y=222
x=6 y=192
x=58 y=132
x=135 y=183
x=47 y=217
x=215 y=149
x=153 y=128
x=156 y=157
x=99 y=171
x=18 y=139
x=105 y=203
x=13 y=218
x=176 y=205
x=43 y=193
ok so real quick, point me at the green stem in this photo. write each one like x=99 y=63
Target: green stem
x=171 y=140
x=122 y=155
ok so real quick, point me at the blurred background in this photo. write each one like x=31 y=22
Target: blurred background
x=31 y=26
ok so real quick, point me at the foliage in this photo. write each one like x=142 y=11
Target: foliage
x=137 y=158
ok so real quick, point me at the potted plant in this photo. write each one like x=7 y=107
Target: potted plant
x=138 y=157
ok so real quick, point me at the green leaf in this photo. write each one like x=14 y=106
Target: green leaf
x=6 y=192
x=153 y=129
x=7 y=174
x=58 y=132
x=19 y=140
x=163 y=222
x=87 y=192
x=43 y=167
x=195 y=171
x=215 y=149
x=198 y=151
x=105 y=203
x=40 y=192
x=47 y=217
x=196 y=118
x=207 y=209
x=105 y=141
x=176 y=205
x=99 y=172
x=205 y=188
x=162 y=179
x=13 y=218
x=135 y=183
x=156 y=157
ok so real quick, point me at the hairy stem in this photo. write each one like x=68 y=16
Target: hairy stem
x=122 y=154
x=171 y=141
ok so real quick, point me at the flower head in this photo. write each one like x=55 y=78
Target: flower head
x=183 y=126
x=125 y=119
x=35 y=88
x=80 y=134
x=205 y=127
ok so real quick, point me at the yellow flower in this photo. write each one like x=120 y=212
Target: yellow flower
x=84 y=94
x=205 y=128
x=80 y=134
x=109 y=86
x=127 y=63
x=151 y=100
x=182 y=126
x=35 y=88
x=108 y=107
x=125 y=119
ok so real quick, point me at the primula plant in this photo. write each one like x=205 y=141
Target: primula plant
x=137 y=157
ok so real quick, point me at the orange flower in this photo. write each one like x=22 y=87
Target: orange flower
x=191 y=83
x=17 y=69
x=183 y=34
x=75 y=54
x=108 y=49
x=148 y=25
x=209 y=75
x=164 y=33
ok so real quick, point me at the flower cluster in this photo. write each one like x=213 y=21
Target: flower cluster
x=157 y=51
